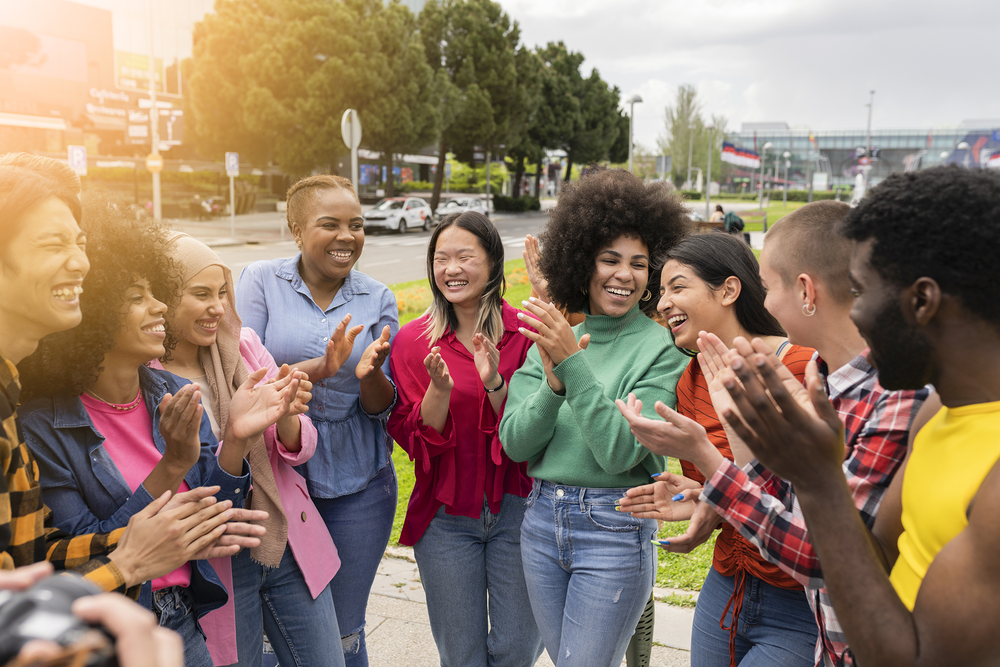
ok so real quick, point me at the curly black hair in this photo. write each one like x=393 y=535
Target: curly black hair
x=942 y=223
x=121 y=245
x=594 y=211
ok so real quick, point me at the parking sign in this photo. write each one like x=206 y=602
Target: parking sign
x=232 y=164
x=78 y=159
x=447 y=170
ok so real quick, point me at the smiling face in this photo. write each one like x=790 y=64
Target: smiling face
x=332 y=234
x=461 y=266
x=783 y=301
x=42 y=271
x=620 y=277
x=195 y=320
x=690 y=305
x=143 y=329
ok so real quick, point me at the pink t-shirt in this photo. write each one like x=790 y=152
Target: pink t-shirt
x=128 y=439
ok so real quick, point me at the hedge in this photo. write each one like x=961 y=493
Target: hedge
x=516 y=204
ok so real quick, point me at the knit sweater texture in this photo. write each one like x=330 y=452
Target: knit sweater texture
x=581 y=439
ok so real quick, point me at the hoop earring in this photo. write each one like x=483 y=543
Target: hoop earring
x=584 y=290
x=646 y=296
x=809 y=309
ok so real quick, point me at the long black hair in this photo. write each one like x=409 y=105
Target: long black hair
x=716 y=257
x=441 y=312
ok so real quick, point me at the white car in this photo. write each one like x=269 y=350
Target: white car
x=460 y=205
x=399 y=214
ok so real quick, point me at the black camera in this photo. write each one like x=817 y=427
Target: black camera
x=44 y=612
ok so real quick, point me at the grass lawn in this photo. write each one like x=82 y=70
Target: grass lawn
x=685 y=571
x=774 y=213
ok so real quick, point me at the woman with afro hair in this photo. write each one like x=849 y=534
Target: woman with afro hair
x=589 y=568
x=111 y=435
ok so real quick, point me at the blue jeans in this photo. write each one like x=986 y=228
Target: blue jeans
x=277 y=601
x=589 y=571
x=174 y=610
x=775 y=628
x=360 y=525
x=476 y=596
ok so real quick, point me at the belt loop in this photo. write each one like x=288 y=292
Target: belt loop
x=582 y=498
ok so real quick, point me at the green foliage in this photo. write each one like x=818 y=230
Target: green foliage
x=685 y=132
x=818 y=195
x=516 y=204
x=678 y=600
x=690 y=194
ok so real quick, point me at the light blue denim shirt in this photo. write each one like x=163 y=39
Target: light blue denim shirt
x=273 y=300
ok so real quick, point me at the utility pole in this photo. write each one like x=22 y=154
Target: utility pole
x=631 y=99
x=708 y=182
x=154 y=121
x=690 y=149
x=868 y=133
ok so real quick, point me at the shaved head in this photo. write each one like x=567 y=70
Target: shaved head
x=807 y=241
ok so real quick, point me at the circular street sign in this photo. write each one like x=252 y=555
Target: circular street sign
x=154 y=163
x=350 y=129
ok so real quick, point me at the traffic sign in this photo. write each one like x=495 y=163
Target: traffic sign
x=154 y=163
x=447 y=169
x=232 y=165
x=78 y=159
x=350 y=129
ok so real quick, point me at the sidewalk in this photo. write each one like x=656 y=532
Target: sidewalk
x=398 y=631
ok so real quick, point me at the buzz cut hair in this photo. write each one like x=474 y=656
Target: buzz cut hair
x=808 y=241
x=302 y=192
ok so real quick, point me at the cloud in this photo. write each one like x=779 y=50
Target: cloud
x=810 y=63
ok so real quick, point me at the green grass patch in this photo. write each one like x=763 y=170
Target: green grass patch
x=677 y=600
x=685 y=571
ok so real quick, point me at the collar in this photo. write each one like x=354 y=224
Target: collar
x=354 y=283
x=68 y=411
x=848 y=376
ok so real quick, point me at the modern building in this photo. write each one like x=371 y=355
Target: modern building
x=843 y=154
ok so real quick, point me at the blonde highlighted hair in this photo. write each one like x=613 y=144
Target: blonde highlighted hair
x=302 y=191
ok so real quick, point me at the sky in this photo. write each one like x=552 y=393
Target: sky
x=810 y=63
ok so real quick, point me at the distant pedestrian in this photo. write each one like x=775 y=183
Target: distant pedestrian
x=718 y=215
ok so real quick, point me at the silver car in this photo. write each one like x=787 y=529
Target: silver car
x=460 y=205
x=399 y=214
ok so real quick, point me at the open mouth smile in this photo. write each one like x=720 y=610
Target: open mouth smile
x=341 y=255
x=675 y=322
x=619 y=291
x=67 y=293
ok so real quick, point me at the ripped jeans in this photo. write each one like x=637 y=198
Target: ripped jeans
x=589 y=571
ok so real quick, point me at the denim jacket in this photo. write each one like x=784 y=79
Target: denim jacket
x=87 y=493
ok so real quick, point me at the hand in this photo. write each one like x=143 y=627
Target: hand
x=374 y=355
x=180 y=421
x=339 y=349
x=794 y=387
x=487 y=360
x=239 y=534
x=552 y=331
x=532 y=264
x=255 y=407
x=676 y=435
x=657 y=500
x=713 y=361
x=159 y=539
x=704 y=521
x=438 y=370
x=300 y=404
x=139 y=641
x=803 y=448
x=23 y=578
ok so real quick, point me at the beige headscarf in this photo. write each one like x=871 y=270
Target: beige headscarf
x=225 y=372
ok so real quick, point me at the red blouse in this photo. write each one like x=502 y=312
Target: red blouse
x=466 y=462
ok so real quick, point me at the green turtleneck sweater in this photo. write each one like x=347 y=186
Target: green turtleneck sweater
x=581 y=439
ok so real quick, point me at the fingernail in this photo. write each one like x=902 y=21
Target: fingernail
x=761 y=361
x=520 y=316
x=656 y=475
x=524 y=303
x=679 y=496
x=661 y=542
x=737 y=363
x=532 y=299
x=618 y=508
x=520 y=329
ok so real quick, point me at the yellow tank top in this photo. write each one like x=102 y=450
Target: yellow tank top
x=951 y=457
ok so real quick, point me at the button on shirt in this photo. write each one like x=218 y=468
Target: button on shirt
x=274 y=301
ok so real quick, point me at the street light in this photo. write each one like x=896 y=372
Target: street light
x=708 y=180
x=690 y=151
x=964 y=146
x=763 y=154
x=631 y=99
x=784 y=190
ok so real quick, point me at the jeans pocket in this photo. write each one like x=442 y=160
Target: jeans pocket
x=533 y=496
x=607 y=518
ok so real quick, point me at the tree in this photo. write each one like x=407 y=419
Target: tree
x=685 y=129
x=472 y=45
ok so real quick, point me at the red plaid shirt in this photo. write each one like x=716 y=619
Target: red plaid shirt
x=764 y=509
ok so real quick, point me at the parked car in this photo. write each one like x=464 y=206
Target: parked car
x=399 y=213
x=460 y=205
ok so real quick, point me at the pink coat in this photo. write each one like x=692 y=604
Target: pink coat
x=308 y=536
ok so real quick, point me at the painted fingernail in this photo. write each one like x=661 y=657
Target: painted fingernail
x=656 y=475
x=662 y=543
x=520 y=316
x=679 y=496
x=520 y=329
x=618 y=508
x=524 y=303
x=532 y=299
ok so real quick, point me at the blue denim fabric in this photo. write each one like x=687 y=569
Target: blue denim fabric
x=273 y=300
x=360 y=525
x=174 y=610
x=589 y=571
x=302 y=631
x=776 y=626
x=88 y=494
x=460 y=561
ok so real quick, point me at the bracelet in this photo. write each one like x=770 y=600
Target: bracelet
x=493 y=391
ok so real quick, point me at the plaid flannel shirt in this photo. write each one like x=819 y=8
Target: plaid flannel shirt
x=764 y=509
x=26 y=531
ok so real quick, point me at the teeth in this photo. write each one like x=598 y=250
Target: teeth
x=159 y=328
x=340 y=254
x=619 y=291
x=208 y=325
x=67 y=293
x=457 y=283
x=676 y=319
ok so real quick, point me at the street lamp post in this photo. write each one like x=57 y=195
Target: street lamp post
x=154 y=121
x=631 y=99
x=868 y=134
x=763 y=156
x=708 y=181
x=964 y=146
x=784 y=190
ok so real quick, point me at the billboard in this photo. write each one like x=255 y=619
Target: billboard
x=132 y=71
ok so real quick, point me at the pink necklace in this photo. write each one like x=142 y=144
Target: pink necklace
x=119 y=406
